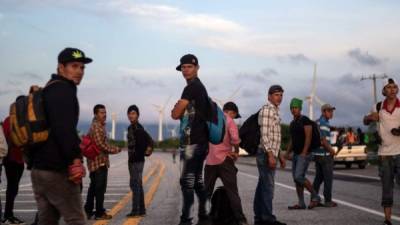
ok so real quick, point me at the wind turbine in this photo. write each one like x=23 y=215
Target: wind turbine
x=310 y=99
x=160 y=109
x=113 y=125
x=221 y=102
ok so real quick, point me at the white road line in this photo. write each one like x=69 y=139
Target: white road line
x=26 y=202
x=116 y=188
x=348 y=204
x=345 y=174
x=25 y=210
x=107 y=194
x=22 y=185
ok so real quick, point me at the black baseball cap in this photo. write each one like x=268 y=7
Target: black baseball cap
x=73 y=55
x=188 y=59
x=233 y=107
x=275 y=88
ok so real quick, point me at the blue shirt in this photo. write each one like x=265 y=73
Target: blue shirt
x=325 y=132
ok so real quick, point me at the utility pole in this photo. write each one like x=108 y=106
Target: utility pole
x=373 y=77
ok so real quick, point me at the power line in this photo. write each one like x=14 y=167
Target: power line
x=373 y=77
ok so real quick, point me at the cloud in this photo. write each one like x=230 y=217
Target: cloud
x=173 y=16
x=5 y=92
x=29 y=75
x=260 y=77
x=364 y=58
x=296 y=58
x=143 y=83
x=251 y=93
x=1 y=16
x=147 y=72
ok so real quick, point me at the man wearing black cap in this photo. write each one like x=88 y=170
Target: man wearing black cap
x=387 y=114
x=57 y=168
x=220 y=163
x=139 y=141
x=193 y=110
x=267 y=155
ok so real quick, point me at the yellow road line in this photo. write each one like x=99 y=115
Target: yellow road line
x=149 y=196
x=122 y=203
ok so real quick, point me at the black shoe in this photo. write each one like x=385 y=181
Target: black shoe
x=89 y=214
x=104 y=216
x=387 y=222
x=278 y=223
x=185 y=223
x=135 y=214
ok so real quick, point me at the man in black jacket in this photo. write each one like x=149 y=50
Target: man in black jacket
x=139 y=143
x=57 y=168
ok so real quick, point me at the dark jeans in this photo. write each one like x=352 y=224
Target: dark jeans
x=136 y=184
x=227 y=172
x=389 y=167
x=324 y=173
x=192 y=160
x=97 y=189
x=265 y=190
x=13 y=173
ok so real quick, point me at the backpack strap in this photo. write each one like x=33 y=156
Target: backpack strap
x=378 y=106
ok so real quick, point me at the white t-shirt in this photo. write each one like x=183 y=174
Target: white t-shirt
x=387 y=121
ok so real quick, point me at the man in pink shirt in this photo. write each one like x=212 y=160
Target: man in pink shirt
x=220 y=163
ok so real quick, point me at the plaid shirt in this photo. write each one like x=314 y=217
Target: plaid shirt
x=99 y=135
x=270 y=123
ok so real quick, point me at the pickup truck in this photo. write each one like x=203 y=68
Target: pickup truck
x=348 y=155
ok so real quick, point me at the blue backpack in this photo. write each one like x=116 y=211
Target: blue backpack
x=215 y=123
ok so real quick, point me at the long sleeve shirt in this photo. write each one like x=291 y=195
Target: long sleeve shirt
x=99 y=136
x=270 y=125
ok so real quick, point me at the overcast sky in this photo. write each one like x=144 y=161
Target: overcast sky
x=250 y=45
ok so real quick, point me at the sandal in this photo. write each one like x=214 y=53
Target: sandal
x=296 y=207
x=314 y=204
x=330 y=204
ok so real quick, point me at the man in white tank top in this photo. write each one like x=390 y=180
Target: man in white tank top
x=387 y=114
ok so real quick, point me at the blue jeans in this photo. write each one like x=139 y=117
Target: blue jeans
x=265 y=190
x=136 y=184
x=324 y=173
x=389 y=167
x=192 y=160
x=299 y=168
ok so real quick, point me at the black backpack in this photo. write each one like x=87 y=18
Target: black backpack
x=221 y=211
x=315 y=136
x=250 y=134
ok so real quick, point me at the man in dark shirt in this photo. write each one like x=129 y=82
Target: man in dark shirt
x=300 y=143
x=57 y=168
x=193 y=110
x=139 y=142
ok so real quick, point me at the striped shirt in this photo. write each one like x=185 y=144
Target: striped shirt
x=325 y=132
x=99 y=135
x=270 y=124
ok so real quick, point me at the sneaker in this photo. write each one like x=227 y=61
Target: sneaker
x=387 y=222
x=12 y=221
x=185 y=222
x=135 y=214
x=105 y=216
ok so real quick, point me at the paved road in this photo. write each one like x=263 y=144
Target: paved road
x=356 y=191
